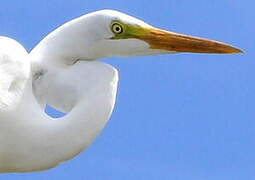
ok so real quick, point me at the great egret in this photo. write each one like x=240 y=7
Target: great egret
x=61 y=71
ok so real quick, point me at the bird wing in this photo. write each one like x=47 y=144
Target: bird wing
x=14 y=72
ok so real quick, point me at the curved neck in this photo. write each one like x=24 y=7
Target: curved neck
x=65 y=45
x=86 y=88
x=57 y=140
x=95 y=84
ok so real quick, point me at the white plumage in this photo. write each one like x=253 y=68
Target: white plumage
x=61 y=71
x=32 y=141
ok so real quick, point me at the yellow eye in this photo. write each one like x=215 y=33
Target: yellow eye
x=117 y=28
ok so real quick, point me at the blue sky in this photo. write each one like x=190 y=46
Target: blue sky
x=183 y=116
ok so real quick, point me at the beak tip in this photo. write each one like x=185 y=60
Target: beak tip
x=228 y=49
x=241 y=51
x=236 y=51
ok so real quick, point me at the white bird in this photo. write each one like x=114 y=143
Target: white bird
x=61 y=71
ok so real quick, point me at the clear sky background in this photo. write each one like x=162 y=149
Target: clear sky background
x=177 y=117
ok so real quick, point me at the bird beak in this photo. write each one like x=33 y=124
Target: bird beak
x=174 y=42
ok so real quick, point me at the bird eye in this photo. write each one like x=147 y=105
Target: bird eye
x=117 y=28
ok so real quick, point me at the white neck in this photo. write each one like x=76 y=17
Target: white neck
x=44 y=142
x=87 y=89
x=66 y=44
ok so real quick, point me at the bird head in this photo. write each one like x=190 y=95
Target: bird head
x=107 y=33
x=113 y=33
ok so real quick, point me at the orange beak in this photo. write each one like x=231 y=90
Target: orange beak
x=165 y=40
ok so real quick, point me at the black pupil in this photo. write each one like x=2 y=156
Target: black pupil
x=117 y=28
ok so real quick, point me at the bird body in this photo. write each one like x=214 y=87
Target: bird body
x=30 y=140
x=61 y=71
